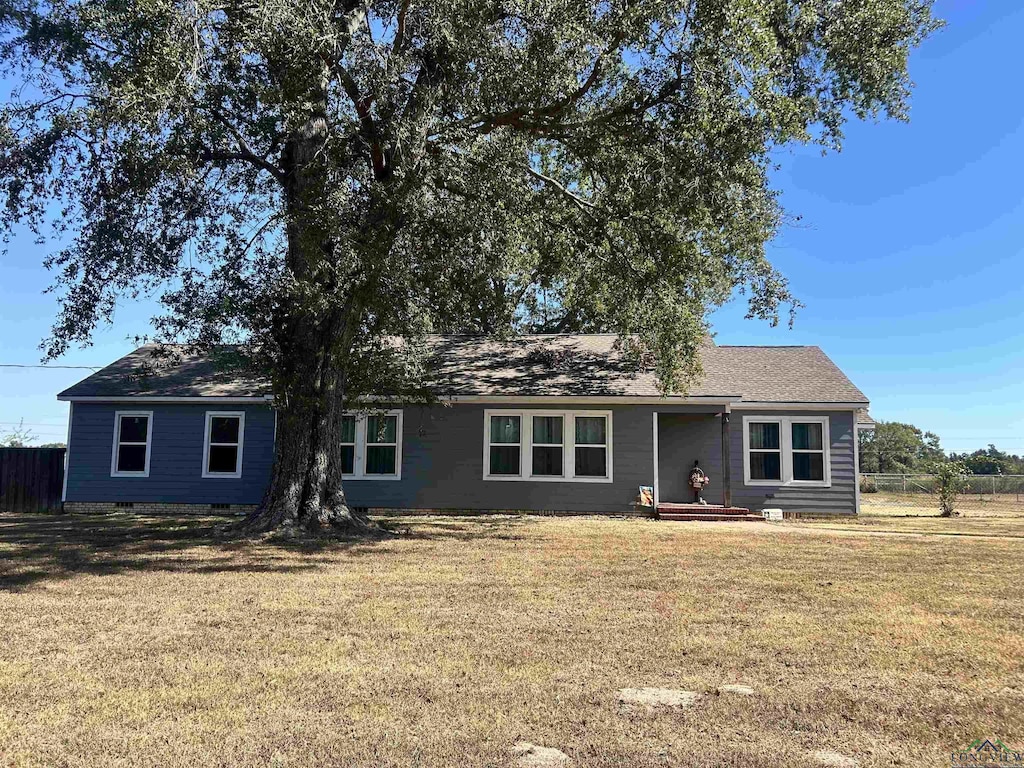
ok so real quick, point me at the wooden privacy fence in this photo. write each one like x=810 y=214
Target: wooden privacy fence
x=31 y=479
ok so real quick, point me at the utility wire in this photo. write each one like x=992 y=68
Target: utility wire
x=76 y=367
x=30 y=424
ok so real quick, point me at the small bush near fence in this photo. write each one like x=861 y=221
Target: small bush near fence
x=919 y=494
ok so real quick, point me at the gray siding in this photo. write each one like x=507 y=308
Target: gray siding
x=176 y=463
x=442 y=462
x=684 y=438
x=442 y=467
x=839 y=499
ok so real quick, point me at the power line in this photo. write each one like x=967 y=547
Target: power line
x=32 y=423
x=77 y=368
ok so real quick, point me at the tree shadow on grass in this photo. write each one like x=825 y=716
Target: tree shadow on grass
x=35 y=548
x=38 y=548
x=462 y=527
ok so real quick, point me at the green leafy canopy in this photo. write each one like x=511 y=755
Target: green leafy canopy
x=484 y=166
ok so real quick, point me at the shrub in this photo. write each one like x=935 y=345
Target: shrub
x=950 y=481
x=867 y=485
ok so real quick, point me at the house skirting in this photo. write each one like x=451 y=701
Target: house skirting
x=154 y=508
x=161 y=508
x=640 y=512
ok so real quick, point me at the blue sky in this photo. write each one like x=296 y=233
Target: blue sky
x=908 y=255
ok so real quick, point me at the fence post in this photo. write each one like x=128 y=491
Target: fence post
x=904 y=483
x=993 y=487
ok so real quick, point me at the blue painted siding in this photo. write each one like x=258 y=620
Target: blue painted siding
x=442 y=462
x=176 y=463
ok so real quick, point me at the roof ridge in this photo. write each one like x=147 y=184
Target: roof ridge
x=476 y=365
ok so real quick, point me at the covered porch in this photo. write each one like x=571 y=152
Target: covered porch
x=682 y=438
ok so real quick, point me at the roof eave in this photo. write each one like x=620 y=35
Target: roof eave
x=817 y=405
x=164 y=398
x=734 y=401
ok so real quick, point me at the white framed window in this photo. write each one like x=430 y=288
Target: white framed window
x=808 y=441
x=546 y=445
x=547 y=438
x=222 y=444
x=371 y=445
x=133 y=439
x=504 y=445
x=381 y=445
x=764 y=450
x=591 y=445
x=786 y=450
x=348 y=445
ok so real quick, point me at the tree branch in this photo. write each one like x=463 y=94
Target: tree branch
x=585 y=205
x=369 y=127
x=245 y=152
x=212 y=155
x=515 y=116
x=399 y=40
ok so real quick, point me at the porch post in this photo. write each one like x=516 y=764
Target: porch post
x=726 y=461
x=656 y=499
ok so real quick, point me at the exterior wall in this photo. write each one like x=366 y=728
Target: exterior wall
x=442 y=463
x=153 y=508
x=176 y=463
x=839 y=499
x=442 y=467
x=684 y=438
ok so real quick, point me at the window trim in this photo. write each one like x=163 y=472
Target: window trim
x=355 y=441
x=607 y=443
x=488 y=444
x=114 y=472
x=526 y=445
x=786 y=446
x=748 y=451
x=359 y=457
x=526 y=435
x=210 y=415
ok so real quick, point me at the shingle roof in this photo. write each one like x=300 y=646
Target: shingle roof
x=148 y=373
x=560 y=365
x=864 y=419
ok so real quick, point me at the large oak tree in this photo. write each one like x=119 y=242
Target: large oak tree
x=314 y=178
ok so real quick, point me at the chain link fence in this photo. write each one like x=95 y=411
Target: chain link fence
x=991 y=495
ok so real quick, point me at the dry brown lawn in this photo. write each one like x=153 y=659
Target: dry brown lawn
x=146 y=642
x=1004 y=505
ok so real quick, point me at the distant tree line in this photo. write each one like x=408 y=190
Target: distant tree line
x=22 y=437
x=991 y=461
x=896 y=448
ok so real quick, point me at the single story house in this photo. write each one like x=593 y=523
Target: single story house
x=559 y=423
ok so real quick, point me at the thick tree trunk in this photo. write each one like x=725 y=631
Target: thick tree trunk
x=306 y=489
x=306 y=492
x=314 y=338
